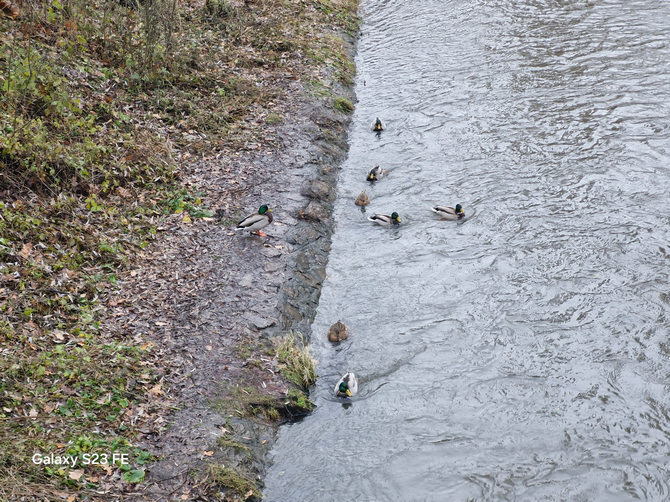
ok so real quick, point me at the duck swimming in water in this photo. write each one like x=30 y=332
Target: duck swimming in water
x=378 y=125
x=375 y=174
x=449 y=213
x=347 y=386
x=386 y=219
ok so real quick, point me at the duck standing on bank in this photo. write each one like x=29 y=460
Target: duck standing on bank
x=347 y=386
x=386 y=219
x=449 y=213
x=257 y=221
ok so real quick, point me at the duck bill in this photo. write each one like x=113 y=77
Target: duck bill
x=348 y=393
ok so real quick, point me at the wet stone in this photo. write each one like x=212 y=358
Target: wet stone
x=260 y=322
x=302 y=262
x=292 y=311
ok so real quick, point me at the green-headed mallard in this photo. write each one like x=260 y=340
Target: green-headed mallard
x=375 y=174
x=362 y=199
x=378 y=125
x=347 y=386
x=449 y=213
x=385 y=219
x=257 y=221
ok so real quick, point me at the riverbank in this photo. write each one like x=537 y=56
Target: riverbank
x=135 y=321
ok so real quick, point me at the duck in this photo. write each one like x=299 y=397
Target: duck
x=257 y=221
x=347 y=386
x=362 y=199
x=338 y=332
x=378 y=125
x=449 y=213
x=375 y=174
x=386 y=219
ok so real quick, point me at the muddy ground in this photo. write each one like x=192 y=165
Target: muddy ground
x=211 y=297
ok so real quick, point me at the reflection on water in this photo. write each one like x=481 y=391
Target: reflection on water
x=522 y=354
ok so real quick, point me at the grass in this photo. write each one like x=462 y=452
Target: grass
x=296 y=363
x=232 y=480
x=343 y=105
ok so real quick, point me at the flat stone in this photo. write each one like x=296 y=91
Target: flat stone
x=260 y=322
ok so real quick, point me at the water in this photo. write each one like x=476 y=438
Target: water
x=522 y=354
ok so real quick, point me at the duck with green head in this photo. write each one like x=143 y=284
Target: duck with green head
x=257 y=221
x=375 y=174
x=347 y=386
x=386 y=219
x=378 y=125
x=449 y=213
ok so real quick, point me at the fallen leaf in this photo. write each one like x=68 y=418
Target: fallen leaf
x=208 y=453
x=8 y=410
x=108 y=469
x=186 y=219
x=209 y=347
x=25 y=250
x=160 y=323
x=60 y=445
x=33 y=412
x=156 y=390
x=71 y=498
x=76 y=474
x=248 y=494
x=184 y=497
x=92 y=479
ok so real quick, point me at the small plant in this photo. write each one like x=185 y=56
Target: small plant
x=233 y=480
x=343 y=105
x=296 y=362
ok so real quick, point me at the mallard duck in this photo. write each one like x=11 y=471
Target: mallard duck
x=362 y=199
x=338 y=332
x=256 y=222
x=449 y=213
x=386 y=219
x=378 y=125
x=347 y=386
x=375 y=174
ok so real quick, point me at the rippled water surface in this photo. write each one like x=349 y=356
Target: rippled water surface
x=524 y=353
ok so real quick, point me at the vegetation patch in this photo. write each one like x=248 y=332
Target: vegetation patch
x=101 y=102
x=343 y=105
x=296 y=362
x=238 y=482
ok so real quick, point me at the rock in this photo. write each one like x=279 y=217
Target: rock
x=260 y=322
x=362 y=199
x=338 y=332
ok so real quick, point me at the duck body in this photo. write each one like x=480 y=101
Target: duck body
x=338 y=332
x=449 y=213
x=257 y=221
x=362 y=199
x=375 y=174
x=378 y=125
x=347 y=386
x=386 y=219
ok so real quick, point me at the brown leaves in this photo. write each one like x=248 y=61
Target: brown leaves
x=9 y=9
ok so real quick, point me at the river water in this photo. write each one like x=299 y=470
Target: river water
x=523 y=353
